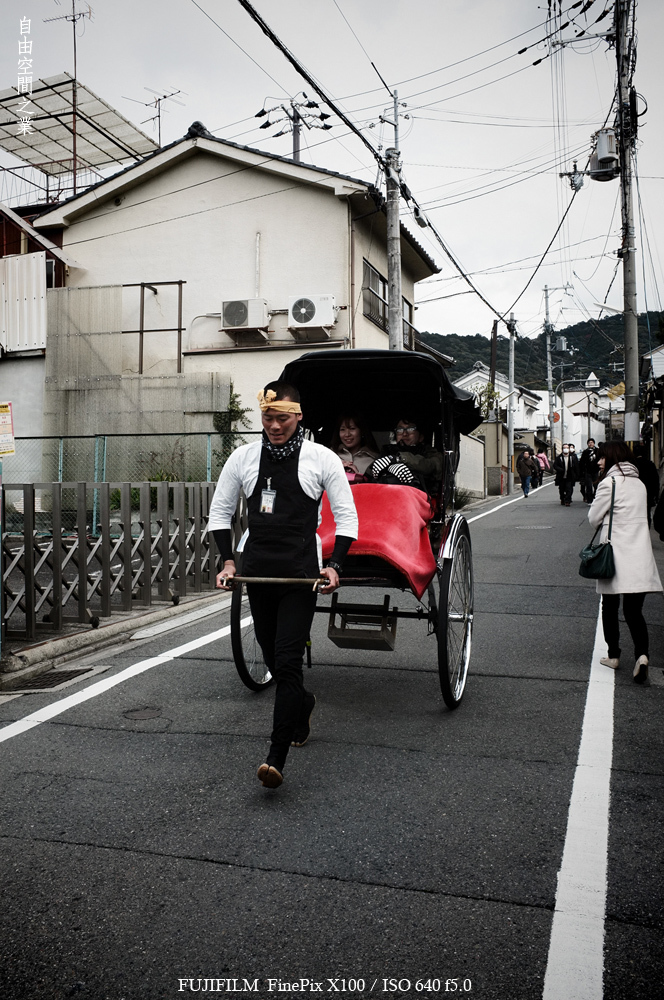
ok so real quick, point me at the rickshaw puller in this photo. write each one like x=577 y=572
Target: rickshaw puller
x=283 y=477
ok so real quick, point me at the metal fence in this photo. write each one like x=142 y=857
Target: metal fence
x=100 y=458
x=81 y=551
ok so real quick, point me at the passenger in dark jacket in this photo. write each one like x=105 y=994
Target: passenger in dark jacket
x=566 y=468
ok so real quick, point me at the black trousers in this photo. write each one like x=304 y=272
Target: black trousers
x=565 y=489
x=588 y=488
x=282 y=621
x=633 y=612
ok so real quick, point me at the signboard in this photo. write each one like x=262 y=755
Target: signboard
x=6 y=430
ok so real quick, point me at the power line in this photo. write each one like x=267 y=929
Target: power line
x=362 y=47
x=267 y=30
x=231 y=39
x=460 y=62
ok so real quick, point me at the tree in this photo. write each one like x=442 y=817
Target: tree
x=486 y=395
x=226 y=424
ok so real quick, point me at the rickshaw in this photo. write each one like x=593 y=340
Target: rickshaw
x=408 y=540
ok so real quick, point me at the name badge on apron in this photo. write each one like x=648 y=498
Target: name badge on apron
x=267 y=499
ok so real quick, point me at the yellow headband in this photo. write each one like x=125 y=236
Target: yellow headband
x=268 y=401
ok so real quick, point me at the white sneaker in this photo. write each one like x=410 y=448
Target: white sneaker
x=610 y=661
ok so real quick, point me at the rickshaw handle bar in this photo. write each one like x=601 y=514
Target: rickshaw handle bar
x=282 y=579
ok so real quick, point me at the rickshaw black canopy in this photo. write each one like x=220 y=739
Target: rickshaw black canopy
x=385 y=386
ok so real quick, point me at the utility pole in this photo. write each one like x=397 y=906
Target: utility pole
x=511 y=326
x=298 y=114
x=297 y=125
x=494 y=350
x=548 y=329
x=549 y=369
x=393 y=183
x=626 y=127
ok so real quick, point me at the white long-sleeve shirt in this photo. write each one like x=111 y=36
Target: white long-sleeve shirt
x=319 y=470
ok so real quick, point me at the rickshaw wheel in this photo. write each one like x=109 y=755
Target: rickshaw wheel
x=455 y=619
x=246 y=652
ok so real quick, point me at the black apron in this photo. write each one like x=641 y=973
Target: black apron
x=282 y=543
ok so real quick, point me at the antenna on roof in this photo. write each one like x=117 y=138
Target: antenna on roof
x=74 y=17
x=157 y=102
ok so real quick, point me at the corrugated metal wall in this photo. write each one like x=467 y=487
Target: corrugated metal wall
x=84 y=333
x=23 y=302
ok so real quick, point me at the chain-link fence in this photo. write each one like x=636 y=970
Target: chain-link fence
x=105 y=458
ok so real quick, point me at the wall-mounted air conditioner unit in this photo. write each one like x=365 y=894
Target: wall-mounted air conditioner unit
x=311 y=310
x=244 y=314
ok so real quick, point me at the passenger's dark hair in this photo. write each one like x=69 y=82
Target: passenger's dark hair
x=284 y=390
x=359 y=419
x=614 y=452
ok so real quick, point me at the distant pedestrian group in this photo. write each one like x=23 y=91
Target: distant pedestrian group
x=530 y=468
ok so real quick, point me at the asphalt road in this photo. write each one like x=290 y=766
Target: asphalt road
x=411 y=851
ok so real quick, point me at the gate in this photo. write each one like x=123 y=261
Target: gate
x=78 y=552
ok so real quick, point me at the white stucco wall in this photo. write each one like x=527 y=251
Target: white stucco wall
x=470 y=471
x=230 y=230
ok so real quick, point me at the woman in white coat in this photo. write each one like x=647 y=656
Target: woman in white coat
x=636 y=572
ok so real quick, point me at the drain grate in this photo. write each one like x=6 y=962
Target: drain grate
x=52 y=679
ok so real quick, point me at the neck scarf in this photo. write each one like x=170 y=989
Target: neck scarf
x=280 y=452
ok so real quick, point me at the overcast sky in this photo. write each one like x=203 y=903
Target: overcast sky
x=485 y=140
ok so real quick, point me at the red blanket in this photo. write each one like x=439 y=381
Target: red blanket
x=393 y=525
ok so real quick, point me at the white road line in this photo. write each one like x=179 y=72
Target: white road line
x=506 y=504
x=58 y=707
x=179 y=621
x=575 y=964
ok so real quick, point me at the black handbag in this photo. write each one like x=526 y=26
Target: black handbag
x=597 y=560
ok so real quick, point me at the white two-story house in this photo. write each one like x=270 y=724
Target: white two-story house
x=206 y=262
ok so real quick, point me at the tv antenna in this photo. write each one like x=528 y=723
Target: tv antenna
x=74 y=17
x=157 y=102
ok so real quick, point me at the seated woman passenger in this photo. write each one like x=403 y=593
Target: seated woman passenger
x=354 y=444
x=423 y=462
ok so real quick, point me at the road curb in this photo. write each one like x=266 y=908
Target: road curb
x=37 y=659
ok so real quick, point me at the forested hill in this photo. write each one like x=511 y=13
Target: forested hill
x=596 y=346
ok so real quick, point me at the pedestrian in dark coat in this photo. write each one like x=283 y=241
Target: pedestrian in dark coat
x=589 y=471
x=526 y=468
x=648 y=475
x=566 y=468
